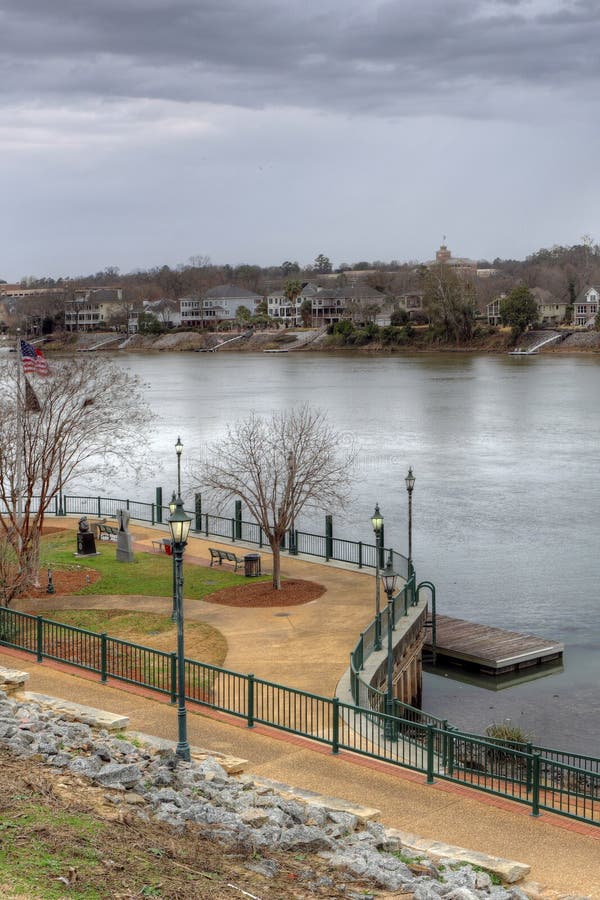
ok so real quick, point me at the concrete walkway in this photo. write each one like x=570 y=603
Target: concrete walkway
x=307 y=647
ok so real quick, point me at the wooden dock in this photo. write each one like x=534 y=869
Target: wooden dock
x=489 y=650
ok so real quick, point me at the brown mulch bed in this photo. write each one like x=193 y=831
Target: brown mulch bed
x=293 y=592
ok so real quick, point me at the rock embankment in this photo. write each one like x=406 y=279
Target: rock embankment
x=242 y=813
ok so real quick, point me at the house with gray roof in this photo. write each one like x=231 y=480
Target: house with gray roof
x=217 y=305
x=586 y=306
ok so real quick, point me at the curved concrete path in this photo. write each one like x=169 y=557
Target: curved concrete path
x=308 y=648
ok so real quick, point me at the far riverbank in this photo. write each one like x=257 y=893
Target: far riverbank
x=304 y=340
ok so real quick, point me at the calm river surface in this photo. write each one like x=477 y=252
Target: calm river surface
x=506 y=503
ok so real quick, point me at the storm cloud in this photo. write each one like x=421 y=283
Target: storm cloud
x=448 y=114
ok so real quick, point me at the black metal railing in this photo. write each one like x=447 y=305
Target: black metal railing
x=362 y=555
x=411 y=739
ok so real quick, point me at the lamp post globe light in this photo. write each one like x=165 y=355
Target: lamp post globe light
x=389 y=579
x=410 y=483
x=178 y=451
x=179 y=524
x=377 y=524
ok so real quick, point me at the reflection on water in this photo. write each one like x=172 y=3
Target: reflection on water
x=494 y=682
x=505 y=506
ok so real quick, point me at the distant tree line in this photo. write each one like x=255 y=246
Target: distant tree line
x=450 y=301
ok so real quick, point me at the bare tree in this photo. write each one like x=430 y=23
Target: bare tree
x=449 y=301
x=82 y=419
x=279 y=467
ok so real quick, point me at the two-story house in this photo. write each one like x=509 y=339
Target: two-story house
x=217 y=305
x=551 y=311
x=280 y=308
x=91 y=309
x=586 y=306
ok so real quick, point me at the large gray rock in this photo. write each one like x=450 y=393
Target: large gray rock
x=88 y=766
x=116 y=775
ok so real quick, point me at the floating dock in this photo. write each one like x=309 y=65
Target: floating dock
x=489 y=650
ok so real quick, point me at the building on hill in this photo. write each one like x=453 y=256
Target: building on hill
x=17 y=291
x=460 y=265
x=217 y=305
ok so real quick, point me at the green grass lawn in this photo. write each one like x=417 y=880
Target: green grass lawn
x=150 y=573
x=202 y=641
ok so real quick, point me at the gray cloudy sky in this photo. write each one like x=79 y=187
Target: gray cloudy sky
x=140 y=132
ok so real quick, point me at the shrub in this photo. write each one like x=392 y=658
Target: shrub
x=506 y=731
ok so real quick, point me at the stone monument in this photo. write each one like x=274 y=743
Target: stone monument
x=86 y=545
x=124 y=540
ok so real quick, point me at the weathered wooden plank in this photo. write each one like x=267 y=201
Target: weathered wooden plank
x=491 y=648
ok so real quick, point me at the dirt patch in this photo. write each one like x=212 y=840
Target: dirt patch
x=65 y=581
x=294 y=592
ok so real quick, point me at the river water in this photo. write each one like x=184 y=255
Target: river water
x=505 y=508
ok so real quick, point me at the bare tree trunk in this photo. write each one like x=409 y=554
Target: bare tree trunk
x=30 y=559
x=276 y=550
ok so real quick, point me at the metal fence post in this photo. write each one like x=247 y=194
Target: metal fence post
x=328 y=538
x=335 y=726
x=206 y=525
x=40 y=638
x=198 y=512
x=529 y=776
x=535 y=798
x=238 y=520
x=360 y=564
x=450 y=758
x=430 y=737
x=173 y=679
x=233 y=529
x=103 y=673
x=250 y=701
x=159 y=506
x=99 y=507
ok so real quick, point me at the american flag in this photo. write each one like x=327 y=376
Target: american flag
x=33 y=360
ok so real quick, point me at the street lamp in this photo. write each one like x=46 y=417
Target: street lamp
x=377 y=523
x=389 y=579
x=410 y=483
x=178 y=451
x=179 y=523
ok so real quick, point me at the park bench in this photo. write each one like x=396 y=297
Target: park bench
x=106 y=532
x=164 y=545
x=221 y=555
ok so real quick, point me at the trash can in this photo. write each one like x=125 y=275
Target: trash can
x=252 y=565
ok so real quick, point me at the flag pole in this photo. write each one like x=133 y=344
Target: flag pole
x=20 y=436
